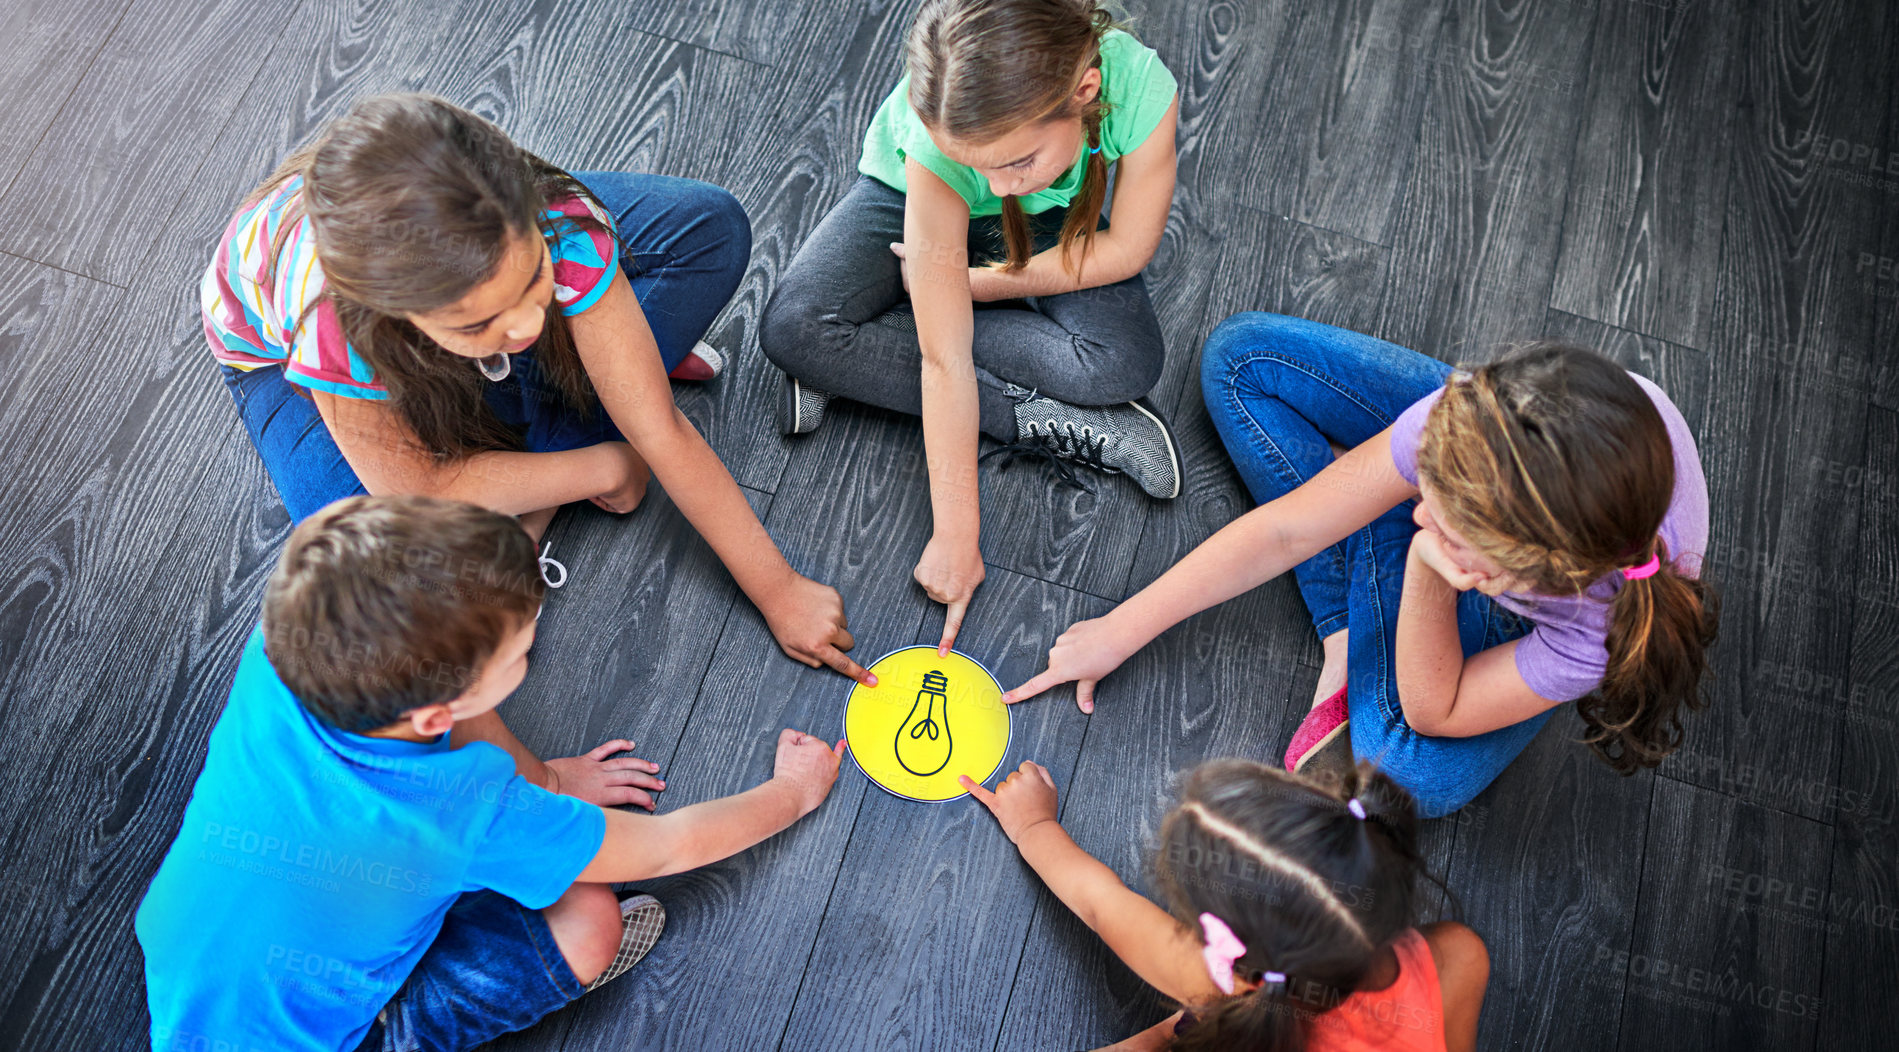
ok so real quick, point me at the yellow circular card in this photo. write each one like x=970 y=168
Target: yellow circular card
x=928 y=720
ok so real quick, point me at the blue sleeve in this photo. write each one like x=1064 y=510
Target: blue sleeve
x=537 y=844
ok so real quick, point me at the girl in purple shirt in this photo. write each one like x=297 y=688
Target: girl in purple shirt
x=1475 y=548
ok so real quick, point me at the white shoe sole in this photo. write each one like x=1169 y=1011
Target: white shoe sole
x=1167 y=439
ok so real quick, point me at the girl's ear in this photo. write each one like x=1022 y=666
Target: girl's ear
x=1089 y=87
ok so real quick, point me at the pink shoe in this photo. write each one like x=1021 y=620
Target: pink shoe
x=1323 y=724
x=701 y=363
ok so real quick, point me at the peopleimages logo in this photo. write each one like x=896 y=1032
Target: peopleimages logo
x=309 y=864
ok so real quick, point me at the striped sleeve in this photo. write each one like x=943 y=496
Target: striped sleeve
x=584 y=260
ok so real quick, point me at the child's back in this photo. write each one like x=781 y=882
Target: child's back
x=313 y=865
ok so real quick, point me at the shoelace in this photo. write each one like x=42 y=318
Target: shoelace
x=547 y=561
x=1083 y=445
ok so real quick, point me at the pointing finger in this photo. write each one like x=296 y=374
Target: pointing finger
x=976 y=790
x=952 y=624
x=1036 y=685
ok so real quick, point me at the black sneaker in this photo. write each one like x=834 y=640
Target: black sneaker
x=1127 y=439
x=800 y=407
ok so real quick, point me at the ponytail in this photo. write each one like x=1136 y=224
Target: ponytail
x=1553 y=462
x=1660 y=627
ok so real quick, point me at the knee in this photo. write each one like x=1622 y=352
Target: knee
x=726 y=231
x=792 y=328
x=587 y=928
x=1231 y=342
x=1115 y=371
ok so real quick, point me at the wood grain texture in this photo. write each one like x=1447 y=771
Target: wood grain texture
x=50 y=44
x=1861 y=910
x=1792 y=343
x=793 y=155
x=157 y=91
x=1643 y=223
x=931 y=905
x=1720 y=959
x=1479 y=218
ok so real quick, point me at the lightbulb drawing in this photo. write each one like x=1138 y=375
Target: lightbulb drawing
x=923 y=745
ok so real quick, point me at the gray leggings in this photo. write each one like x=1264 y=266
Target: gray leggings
x=840 y=321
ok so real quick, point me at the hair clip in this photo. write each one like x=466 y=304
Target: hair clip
x=1461 y=376
x=1268 y=980
x=1356 y=808
x=1222 y=949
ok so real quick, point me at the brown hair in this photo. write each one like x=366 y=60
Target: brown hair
x=411 y=201
x=979 y=69
x=1314 y=892
x=385 y=604
x=1557 y=465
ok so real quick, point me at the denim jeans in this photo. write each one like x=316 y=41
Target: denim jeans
x=840 y=321
x=1278 y=389
x=684 y=246
x=493 y=968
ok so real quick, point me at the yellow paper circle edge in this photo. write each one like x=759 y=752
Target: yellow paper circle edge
x=1008 y=722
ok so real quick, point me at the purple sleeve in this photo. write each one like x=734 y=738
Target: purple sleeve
x=1560 y=665
x=1405 y=432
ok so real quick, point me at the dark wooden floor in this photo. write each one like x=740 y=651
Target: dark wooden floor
x=1707 y=189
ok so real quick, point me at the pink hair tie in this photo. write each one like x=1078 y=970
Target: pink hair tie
x=1222 y=949
x=1647 y=569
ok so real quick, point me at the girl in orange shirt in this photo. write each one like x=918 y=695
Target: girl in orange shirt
x=1292 y=900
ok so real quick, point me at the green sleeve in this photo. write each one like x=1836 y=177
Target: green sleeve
x=1139 y=87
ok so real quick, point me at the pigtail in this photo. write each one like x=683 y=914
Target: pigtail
x=1660 y=628
x=1015 y=235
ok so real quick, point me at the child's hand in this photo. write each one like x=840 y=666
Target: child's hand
x=1428 y=546
x=949 y=574
x=1026 y=798
x=807 y=619
x=1084 y=654
x=607 y=782
x=629 y=481
x=807 y=766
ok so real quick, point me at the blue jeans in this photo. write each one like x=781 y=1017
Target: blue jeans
x=1278 y=389
x=494 y=968
x=684 y=246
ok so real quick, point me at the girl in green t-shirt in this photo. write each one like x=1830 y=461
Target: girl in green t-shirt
x=969 y=277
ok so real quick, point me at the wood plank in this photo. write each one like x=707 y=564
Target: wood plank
x=1363 y=124
x=1792 y=344
x=1646 y=203
x=1720 y=959
x=50 y=45
x=162 y=85
x=932 y=902
x=1475 y=236
x=1861 y=966
x=791 y=158
x=852 y=509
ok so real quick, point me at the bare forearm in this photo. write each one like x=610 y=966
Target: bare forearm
x=1076 y=877
x=707 y=495
x=1110 y=259
x=951 y=424
x=639 y=847
x=1244 y=554
x=1430 y=657
x=517 y=483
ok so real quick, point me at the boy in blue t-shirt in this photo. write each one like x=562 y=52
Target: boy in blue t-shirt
x=370 y=860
